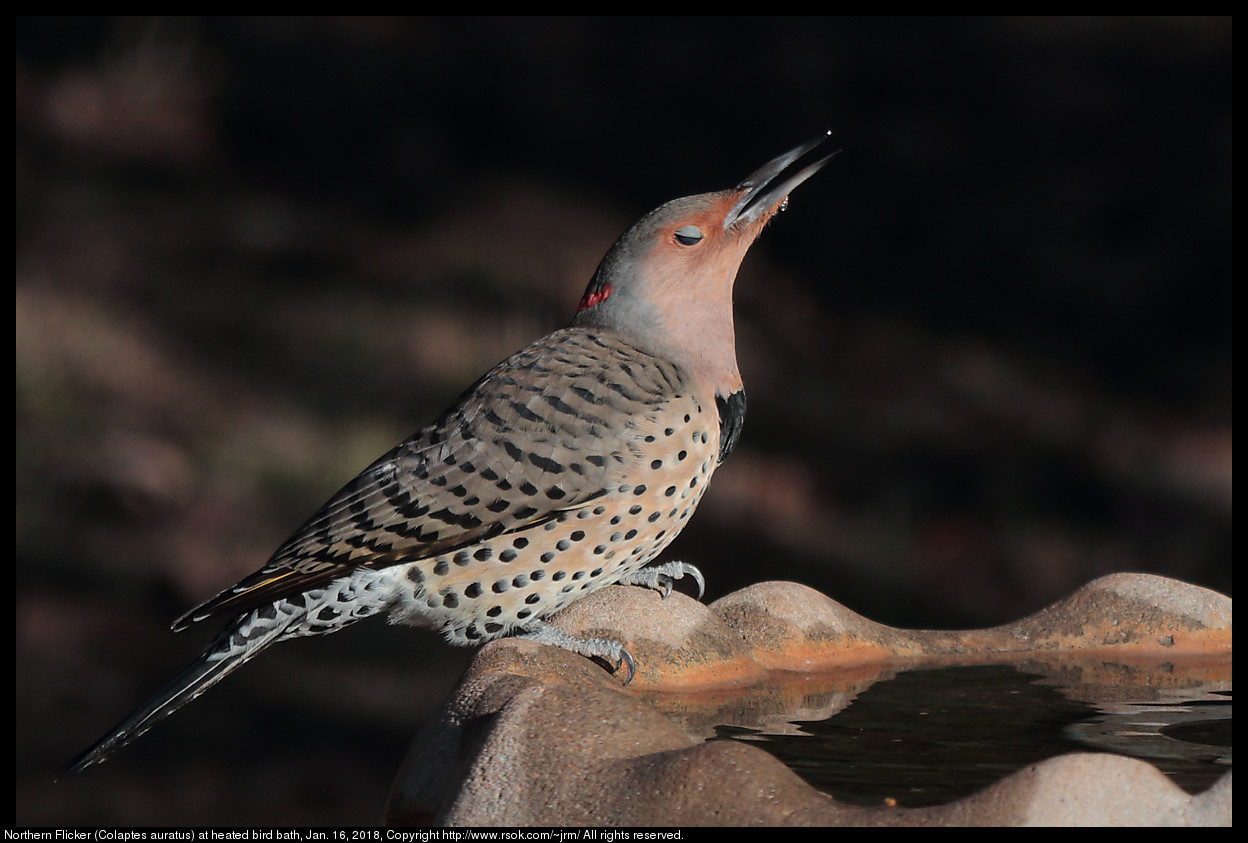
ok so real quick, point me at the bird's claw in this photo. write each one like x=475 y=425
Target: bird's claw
x=611 y=651
x=661 y=577
x=626 y=659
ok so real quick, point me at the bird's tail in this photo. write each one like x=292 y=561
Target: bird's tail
x=236 y=645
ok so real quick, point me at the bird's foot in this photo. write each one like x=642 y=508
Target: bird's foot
x=612 y=652
x=661 y=577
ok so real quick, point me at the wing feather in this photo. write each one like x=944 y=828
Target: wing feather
x=548 y=430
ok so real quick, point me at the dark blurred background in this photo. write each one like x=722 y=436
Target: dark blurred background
x=987 y=350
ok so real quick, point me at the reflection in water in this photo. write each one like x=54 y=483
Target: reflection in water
x=927 y=737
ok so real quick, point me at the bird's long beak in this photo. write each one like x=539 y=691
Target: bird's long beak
x=760 y=196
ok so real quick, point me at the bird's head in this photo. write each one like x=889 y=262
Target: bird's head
x=668 y=280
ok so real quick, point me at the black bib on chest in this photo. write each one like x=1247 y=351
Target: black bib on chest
x=731 y=419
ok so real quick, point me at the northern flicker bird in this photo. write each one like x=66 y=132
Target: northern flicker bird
x=568 y=467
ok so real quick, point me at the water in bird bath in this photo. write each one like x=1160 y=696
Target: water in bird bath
x=932 y=736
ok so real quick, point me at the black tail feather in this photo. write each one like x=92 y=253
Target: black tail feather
x=237 y=644
x=201 y=675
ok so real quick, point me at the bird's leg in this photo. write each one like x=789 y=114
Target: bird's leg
x=612 y=651
x=660 y=577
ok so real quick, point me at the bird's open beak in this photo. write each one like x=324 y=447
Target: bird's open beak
x=760 y=196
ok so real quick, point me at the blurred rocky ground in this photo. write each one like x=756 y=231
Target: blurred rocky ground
x=987 y=351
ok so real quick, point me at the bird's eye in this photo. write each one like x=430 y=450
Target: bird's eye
x=687 y=235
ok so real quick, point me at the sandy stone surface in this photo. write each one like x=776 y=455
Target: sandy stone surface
x=537 y=736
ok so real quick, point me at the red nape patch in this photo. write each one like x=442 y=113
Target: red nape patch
x=595 y=297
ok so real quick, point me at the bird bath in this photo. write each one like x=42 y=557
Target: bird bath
x=1030 y=723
